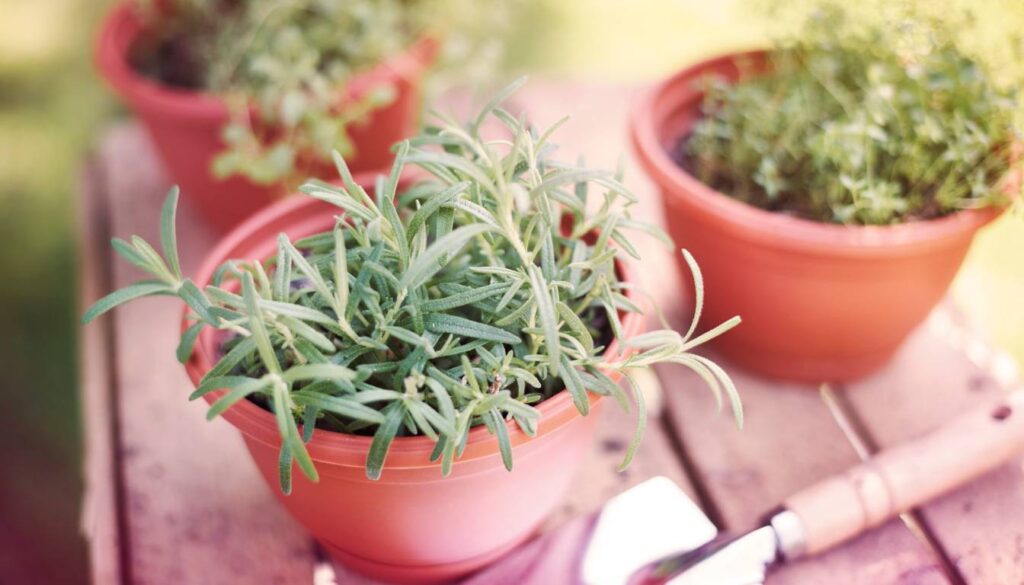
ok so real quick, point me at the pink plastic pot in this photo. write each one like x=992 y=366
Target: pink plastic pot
x=413 y=525
x=819 y=302
x=185 y=126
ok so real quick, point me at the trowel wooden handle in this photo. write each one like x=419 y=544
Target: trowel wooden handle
x=902 y=477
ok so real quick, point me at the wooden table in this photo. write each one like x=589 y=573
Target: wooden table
x=174 y=499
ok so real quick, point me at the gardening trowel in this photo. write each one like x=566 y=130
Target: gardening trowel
x=654 y=534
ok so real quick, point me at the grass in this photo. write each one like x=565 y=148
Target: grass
x=51 y=107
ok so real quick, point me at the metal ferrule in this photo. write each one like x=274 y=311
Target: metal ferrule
x=790 y=534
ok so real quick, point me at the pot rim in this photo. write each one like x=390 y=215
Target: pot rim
x=649 y=135
x=122 y=27
x=306 y=215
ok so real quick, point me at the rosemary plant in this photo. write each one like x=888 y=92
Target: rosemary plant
x=462 y=300
x=293 y=60
x=852 y=124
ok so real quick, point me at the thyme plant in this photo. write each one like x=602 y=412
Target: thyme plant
x=852 y=124
x=293 y=59
x=463 y=300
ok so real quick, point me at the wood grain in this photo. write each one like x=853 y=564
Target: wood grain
x=789 y=441
x=100 y=513
x=912 y=472
x=600 y=479
x=945 y=369
x=195 y=509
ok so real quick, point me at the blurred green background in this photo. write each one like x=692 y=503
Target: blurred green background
x=52 y=108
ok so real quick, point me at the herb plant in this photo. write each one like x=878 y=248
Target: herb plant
x=463 y=300
x=851 y=124
x=291 y=61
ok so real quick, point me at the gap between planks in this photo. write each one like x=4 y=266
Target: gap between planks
x=791 y=441
x=866 y=446
x=103 y=519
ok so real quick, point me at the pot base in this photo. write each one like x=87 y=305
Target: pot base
x=804 y=369
x=417 y=574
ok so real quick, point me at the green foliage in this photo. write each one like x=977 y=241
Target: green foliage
x=462 y=300
x=851 y=124
x=291 y=62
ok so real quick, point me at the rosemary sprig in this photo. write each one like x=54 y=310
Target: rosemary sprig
x=463 y=300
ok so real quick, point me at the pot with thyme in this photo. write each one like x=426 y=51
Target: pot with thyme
x=845 y=171
x=429 y=359
x=244 y=99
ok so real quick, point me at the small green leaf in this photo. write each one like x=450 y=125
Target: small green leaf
x=464 y=298
x=258 y=329
x=574 y=384
x=284 y=469
x=497 y=426
x=386 y=204
x=321 y=341
x=339 y=405
x=282 y=274
x=698 y=288
x=157 y=266
x=129 y=253
x=309 y=416
x=196 y=300
x=188 y=341
x=439 y=422
x=576 y=325
x=168 y=237
x=211 y=383
x=232 y=358
x=430 y=261
x=382 y=439
x=317 y=372
x=441 y=323
x=236 y=393
x=433 y=204
x=129 y=293
x=598 y=383
x=497 y=100
x=341 y=284
x=546 y=311
x=641 y=422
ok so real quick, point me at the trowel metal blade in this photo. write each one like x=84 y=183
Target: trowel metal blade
x=639 y=526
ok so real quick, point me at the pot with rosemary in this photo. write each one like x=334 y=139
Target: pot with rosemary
x=847 y=170
x=245 y=99
x=429 y=358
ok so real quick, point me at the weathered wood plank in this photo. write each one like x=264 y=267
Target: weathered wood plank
x=945 y=369
x=600 y=479
x=196 y=509
x=99 y=521
x=789 y=441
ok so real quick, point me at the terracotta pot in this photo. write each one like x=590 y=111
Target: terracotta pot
x=185 y=126
x=819 y=302
x=413 y=525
